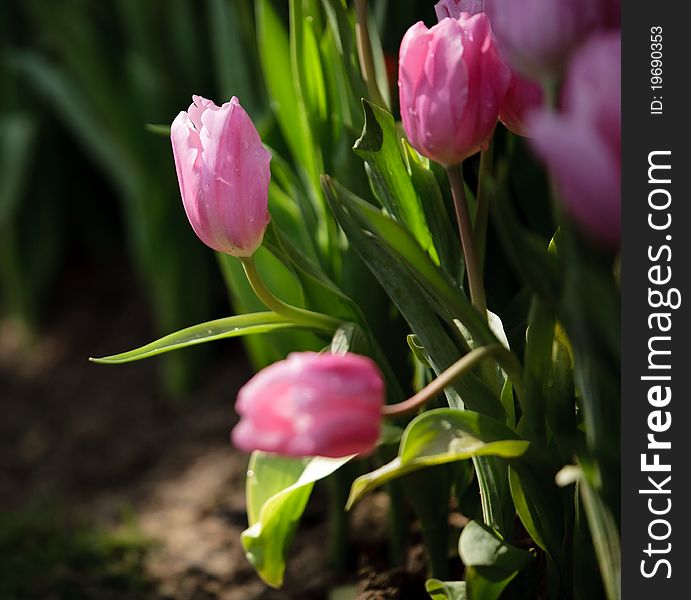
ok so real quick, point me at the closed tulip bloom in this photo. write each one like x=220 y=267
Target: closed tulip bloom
x=522 y=97
x=451 y=82
x=537 y=36
x=223 y=172
x=454 y=8
x=582 y=145
x=312 y=405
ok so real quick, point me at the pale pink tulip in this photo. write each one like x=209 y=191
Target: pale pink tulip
x=223 y=172
x=582 y=144
x=451 y=82
x=312 y=405
x=537 y=36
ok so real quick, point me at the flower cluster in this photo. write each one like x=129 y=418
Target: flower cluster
x=489 y=61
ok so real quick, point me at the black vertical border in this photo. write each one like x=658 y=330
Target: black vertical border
x=642 y=134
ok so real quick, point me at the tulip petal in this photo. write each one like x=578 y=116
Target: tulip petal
x=587 y=173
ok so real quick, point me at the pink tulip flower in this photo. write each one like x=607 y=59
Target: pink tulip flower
x=312 y=405
x=454 y=8
x=582 y=145
x=223 y=172
x=537 y=36
x=451 y=82
x=522 y=97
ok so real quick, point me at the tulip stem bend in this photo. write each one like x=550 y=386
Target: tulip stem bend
x=300 y=316
x=465 y=226
x=436 y=387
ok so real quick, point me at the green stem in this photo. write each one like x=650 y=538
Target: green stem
x=482 y=210
x=300 y=316
x=477 y=290
x=364 y=50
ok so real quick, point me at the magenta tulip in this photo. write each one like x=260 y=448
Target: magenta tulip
x=223 y=172
x=312 y=405
x=537 y=36
x=454 y=8
x=451 y=82
x=582 y=144
x=522 y=97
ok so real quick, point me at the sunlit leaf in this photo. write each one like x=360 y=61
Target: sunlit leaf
x=446 y=590
x=490 y=562
x=219 y=329
x=278 y=489
x=441 y=436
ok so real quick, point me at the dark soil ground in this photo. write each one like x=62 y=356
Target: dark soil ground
x=103 y=442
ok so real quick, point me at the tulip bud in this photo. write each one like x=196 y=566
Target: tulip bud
x=522 y=97
x=454 y=8
x=582 y=145
x=451 y=81
x=223 y=172
x=537 y=36
x=312 y=405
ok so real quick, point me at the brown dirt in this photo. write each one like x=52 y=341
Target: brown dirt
x=103 y=438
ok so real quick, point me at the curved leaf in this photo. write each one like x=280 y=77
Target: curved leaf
x=278 y=489
x=446 y=590
x=490 y=562
x=210 y=331
x=438 y=437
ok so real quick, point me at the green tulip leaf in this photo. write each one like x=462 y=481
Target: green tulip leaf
x=442 y=228
x=399 y=242
x=604 y=533
x=391 y=183
x=490 y=562
x=253 y=323
x=412 y=301
x=442 y=436
x=278 y=489
x=446 y=590
x=275 y=54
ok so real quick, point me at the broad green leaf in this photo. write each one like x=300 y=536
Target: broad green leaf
x=239 y=325
x=442 y=436
x=486 y=584
x=490 y=562
x=480 y=546
x=406 y=249
x=446 y=590
x=278 y=489
x=538 y=504
x=391 y=183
